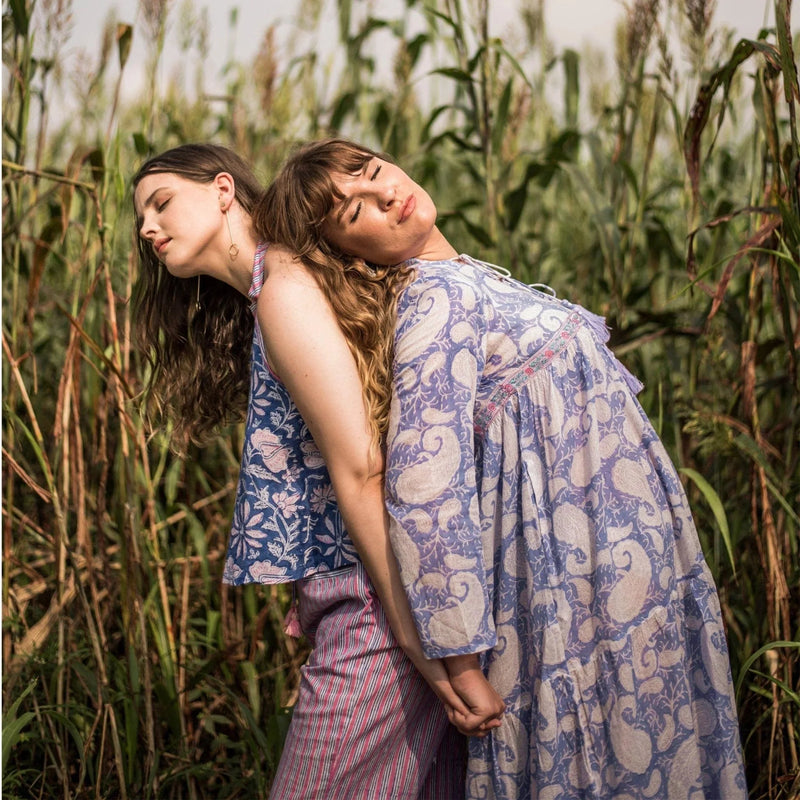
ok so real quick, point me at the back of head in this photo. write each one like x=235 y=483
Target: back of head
x=199 y=359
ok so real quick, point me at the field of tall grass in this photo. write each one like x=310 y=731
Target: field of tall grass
x=660 y=190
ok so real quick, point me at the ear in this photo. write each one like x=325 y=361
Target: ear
x=226 y=187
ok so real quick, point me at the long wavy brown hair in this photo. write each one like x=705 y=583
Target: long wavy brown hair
x=199 y=361
x=363 y=295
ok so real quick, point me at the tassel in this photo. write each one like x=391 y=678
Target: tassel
x=598 y=326
x=291 y=623
x=634 y=384
x=595 y=322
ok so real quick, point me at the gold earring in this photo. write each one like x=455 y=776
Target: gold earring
x=197 y=305
x=233 y=250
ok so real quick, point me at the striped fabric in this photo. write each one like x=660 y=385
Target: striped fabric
x=366 y=726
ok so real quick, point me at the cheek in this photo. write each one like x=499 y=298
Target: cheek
x=332 y=234
x=429 y=210
x=351 y=242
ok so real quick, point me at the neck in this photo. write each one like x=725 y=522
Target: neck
x=239 y=272
x=437 y=248
x=238 y=238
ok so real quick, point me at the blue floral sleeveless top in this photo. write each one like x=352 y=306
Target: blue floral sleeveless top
x=286 y=524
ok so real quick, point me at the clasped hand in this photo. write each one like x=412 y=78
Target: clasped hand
x=471 y=703
x=484 y=706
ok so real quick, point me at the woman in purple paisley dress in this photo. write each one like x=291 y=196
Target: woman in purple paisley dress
x=541 y=529
x=228 y=324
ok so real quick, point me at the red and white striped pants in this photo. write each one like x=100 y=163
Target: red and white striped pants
x=366 y=726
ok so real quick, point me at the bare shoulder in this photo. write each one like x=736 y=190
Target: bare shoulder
x=278 y=256
x=281 y=265
x=300 y=330
x=288 y=283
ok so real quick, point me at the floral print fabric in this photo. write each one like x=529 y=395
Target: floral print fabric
x=538 y=520
x=286 y=524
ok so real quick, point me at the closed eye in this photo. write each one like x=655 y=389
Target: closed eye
x=372 y=178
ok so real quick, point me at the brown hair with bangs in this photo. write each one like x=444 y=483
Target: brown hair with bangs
x=363 y=296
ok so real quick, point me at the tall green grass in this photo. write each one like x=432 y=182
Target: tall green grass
x=661 y=190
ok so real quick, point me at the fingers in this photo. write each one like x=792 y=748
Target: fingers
x=451 y=699
x=471 y=724
x=436 y=676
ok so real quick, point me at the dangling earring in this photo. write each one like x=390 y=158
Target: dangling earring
x=233 y=250
x=197 y=304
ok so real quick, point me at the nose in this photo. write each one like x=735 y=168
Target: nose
x=147 y=227
x=384 y=195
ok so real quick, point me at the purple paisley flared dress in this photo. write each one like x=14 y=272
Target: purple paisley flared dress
x=538 y=520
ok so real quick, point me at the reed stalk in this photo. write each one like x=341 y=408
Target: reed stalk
x=672 y=208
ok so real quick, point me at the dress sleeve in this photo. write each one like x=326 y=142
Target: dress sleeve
x=431 y=491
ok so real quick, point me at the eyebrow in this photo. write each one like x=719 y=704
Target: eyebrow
x=148 y=202
x=345 y=204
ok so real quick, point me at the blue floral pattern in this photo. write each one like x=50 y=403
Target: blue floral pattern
x=539 y=521
x=286 y=524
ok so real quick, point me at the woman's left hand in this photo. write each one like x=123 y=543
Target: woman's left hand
x=485 y=706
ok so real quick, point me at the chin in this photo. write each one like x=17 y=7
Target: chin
x=177 y=272
x=178 y=268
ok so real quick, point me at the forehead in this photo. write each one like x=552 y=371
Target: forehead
x=149 y=186
x=343 y=179
x=340 y=180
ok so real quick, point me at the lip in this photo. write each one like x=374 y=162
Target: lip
x=407 y=208
x=160 y=244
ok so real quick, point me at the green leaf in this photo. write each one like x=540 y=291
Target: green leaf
x=571 y=87
x=443 y=17
x=19 y=13
x=14 y=725
x=787 y=690
x=498 y=45
x=173 y=475
x=516 y=198
x=11 y=733
x=564 y=147
x=749 y=447
x=455 y=73
x=476 y=59
x=791 y=88
x=372 y=24
x=701 y=110
x=414 y=47
x=758 y=653
x=141 y=144
x=347 y=102
x=712 y=498
x=501 y=116
x=480 y=234
x=124 y=41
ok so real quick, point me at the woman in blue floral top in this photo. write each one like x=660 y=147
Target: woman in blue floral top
x=542 y=531
x=222 y=317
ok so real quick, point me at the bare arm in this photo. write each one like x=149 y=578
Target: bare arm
x=307 y=349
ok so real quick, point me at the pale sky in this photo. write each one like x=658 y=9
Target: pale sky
x=569 y=23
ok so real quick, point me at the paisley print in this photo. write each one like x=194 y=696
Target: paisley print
x=538 y=520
